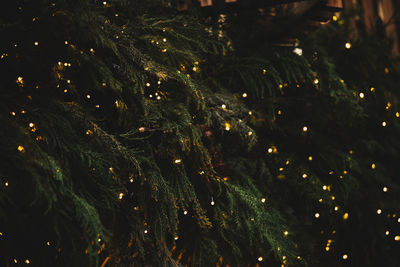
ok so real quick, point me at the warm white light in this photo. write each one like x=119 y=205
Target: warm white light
x=348 y=45
x=385 y=189
x=379 y=211
x=260 y=258
x=387 y=233
x=305 y=129
x=361 y=95
x=263 y=200
x=298 y=51
x=304 y=175
x=244 y=95
x=384 y=123
x=345 y=257
x=223 y=106
x=316 y=215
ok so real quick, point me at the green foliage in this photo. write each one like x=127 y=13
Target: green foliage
x=128 y=139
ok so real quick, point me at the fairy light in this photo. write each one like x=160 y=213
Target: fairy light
x=316 y=215
x=212 y=201
x=145 y=231
x=120 y=196
x=223 y=106
x=270 y=150
x=285 y=233
x=345 y=216
x=185 y=212
x=304 y=175
x=361 y=95
x=387 y=232
x=397 y=238
x=384 y=123
x=227 y=126
x=385 y=189
x=177 y=161
x=373 y=166
x=176 y=237
x=21 y=149
x=263 y=200
x=260 y=259
x=324 y=187
x=347 y=45
x=6 y=183
x=336 y=208
x=310 y=158
x=27 y=261
x=345 y=257
x=316 y=81
x=250 y=133
x=36 y=43
x=379 y=211
x=244 y=95
x=305 y=128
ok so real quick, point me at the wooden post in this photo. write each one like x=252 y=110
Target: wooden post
x=206 y=2
x=386 y=13
x=369 y=15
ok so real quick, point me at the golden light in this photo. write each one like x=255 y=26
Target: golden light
x=379 y=211
x=260 y=259
x=384 y=123
x=227 y=126
x=316 y=215
x=305 y=129
x=316 y=81
x=385 y=189
x=361 y=95
x=286 y=233
x=177 y=161
x=21 y=149
x=223 y=106
x=345 y=257
x=373 y=166
x=244 y=95
x=336 y=208
x=121 y=195
x=345 y=216
x=397 y=238
x=347 y=45
x=304 y=175
x=263 y=200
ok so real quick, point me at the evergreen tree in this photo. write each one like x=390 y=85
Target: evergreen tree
x=135 y=135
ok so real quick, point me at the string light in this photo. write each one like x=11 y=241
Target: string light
x=212 y=201
x=177 y=161
x=373 y=166
x=185 y=212
x=316 y=81
x=379 y=211
x=286 y=233
x=260 y=259
x=223 y=106
x=387 y=233
x=263 y=200
x=310 y=158
x=244 y=95
x=27 y=261
x=397 y=238
x=305 y=129
x=385 y=189
x=316 y=215
x=120 y=196
x=145 y=231
x=336 y=208
x=384 y=123
x=227 y=126
x=6 y=183
x=21 y=149
x=345 y=216
x=176 y=237
x=36 y=43
x=347 y=45
x=345 y=256
x=361 y=95
x=304 y=175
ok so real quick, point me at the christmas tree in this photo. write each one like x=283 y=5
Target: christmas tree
x=134 y=134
